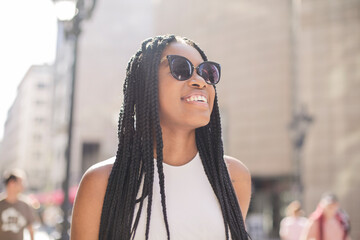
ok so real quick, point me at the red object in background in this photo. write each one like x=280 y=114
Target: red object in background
x=72 y=193
x=56 y=197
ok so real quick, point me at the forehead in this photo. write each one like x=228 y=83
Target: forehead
x=183 y=49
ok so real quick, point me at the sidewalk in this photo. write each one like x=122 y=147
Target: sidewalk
x=39 y=235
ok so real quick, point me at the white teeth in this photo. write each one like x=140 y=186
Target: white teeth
x=197 y=99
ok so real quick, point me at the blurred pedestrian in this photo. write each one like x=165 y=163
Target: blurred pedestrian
x=170 y=176
x=328 y=221
x=16 y=213
x=293 y=224
x=52 y=217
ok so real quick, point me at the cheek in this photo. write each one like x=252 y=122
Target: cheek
x=168 y=96
x=162 y=93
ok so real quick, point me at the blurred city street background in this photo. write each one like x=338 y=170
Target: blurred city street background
x=289 y=95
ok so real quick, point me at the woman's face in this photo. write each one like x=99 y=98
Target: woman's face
x=179 y=101
x=331 y=208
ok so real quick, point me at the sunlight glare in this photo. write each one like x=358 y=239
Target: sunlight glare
x=29 y=29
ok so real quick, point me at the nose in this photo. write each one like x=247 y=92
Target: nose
x=197 y=82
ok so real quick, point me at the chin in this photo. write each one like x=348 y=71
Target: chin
x=201 y=123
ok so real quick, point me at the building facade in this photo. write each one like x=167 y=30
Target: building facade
x=330 y=85
x=107 y=42
x=26 y=141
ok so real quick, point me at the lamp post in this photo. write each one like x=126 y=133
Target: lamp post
x=299 y=125
x=71 y=13
x=301 y=119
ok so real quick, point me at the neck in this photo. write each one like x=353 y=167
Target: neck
x=329 y=215
x=11 y=197
x=179 y=146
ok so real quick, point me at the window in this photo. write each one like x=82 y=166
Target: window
x=39 y=120
x=39 y=102
x=36 y=156
x=41 y=85
x=90 y=154
x=37 y=137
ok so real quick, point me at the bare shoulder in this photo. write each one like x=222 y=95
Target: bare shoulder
x=310 y=230
x=101 y=169
x=89 y=200
x=241 y=180
x=237 y=170
x=96 y=177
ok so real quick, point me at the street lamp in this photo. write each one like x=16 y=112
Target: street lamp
x=71 y=13
x=65 y=10
x=301 y=119
x=299 y=125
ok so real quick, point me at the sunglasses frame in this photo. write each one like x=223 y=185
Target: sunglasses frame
x=171 y=57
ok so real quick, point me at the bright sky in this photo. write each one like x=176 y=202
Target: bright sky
x=28 y=36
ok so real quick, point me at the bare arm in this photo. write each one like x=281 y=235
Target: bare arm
x=310 y=231
x=284 y=231
x=89 y=201
x=31 y=231
x=241 y=180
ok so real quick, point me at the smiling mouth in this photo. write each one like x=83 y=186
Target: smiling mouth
x=200 y=99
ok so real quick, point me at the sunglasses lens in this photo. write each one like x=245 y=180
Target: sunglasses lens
x=181 y=68
x=210 y=72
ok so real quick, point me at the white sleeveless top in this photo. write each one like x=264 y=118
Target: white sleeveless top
x=193 y=211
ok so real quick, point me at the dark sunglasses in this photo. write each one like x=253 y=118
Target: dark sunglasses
x=182 y=69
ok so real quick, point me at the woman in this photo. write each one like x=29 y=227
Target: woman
x=328 y=221
x=170 y=179
x=293 y=224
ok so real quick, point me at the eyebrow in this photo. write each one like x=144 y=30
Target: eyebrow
x=163 y=59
